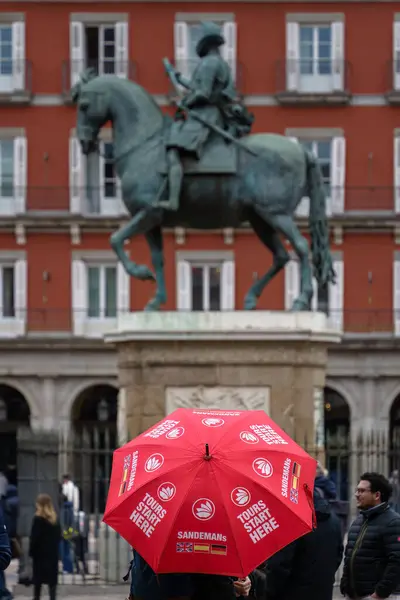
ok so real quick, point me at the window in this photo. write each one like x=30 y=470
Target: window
x=12 y=297
x=329 y=300
x=396 y=55
x=206 y=287
x=6 y=66
x=7 y=292
x=205 y=284
x=331 y=155
x=12 y=57
x=94 y=186
x=103 y=47
x=102 y=292
x=187 y=35
x=12 y=175
x=315 y=57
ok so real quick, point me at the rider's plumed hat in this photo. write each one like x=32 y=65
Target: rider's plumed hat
x=211 y=36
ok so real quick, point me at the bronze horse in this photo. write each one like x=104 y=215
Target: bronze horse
x=262 y=190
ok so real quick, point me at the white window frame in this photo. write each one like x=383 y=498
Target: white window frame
x=396 y=55
x=317 y=83
x=15 y=82
x=102 y=290
x=396 y=172
x=335 y=204
x=182 y=45
x=11 y=327
x=335 y=292
x=77 y=48
x=83 y=325
x=185 y=264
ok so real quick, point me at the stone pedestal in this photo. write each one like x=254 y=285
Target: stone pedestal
x=273 y=361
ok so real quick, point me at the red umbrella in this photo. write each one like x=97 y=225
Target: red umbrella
x=209 y=491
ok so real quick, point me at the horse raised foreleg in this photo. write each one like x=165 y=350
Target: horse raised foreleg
x=269 y=237
x=286 y=225
x=155 y=241
x=141 y=223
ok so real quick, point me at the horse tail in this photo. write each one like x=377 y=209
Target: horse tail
x=318 y=223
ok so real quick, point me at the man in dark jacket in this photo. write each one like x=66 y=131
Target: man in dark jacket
x=372 y=556
x=305 y=570
x=5 y=556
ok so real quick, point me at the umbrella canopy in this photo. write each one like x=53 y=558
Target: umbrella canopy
x=208 y=491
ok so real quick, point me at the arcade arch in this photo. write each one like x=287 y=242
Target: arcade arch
x=337 y=440
x=14 y=415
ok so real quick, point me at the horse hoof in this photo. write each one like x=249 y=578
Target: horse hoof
x=250 y=303
x=152 y=306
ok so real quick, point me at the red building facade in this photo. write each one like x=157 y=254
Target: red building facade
x=326 y=74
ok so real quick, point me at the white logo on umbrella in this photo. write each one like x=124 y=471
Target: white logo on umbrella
x=166 y=491
x=203 y=509
x=154 y=462
x=249 y=437
x=263 y=467
x=213 y=422
x=175 y=433
x=240 y=496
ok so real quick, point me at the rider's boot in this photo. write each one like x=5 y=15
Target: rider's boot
x=175 y=176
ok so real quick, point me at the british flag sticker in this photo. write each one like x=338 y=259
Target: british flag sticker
x=184 y=547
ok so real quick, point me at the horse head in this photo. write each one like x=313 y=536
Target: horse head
x=93 y=104
x=102 y=98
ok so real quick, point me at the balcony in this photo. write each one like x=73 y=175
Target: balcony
x=371 y=199
x=312 y=82
x=393 y=82
x=107 y=68
x=186 y=68
x=15 y=82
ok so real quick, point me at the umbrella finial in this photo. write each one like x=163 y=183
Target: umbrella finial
x=207 y=455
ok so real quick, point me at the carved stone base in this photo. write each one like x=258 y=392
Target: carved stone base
x=268 y=361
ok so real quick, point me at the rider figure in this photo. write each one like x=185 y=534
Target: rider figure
x=212 y=94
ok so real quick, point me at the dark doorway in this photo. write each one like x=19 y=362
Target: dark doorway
x=94 y=438
x=14 y=415
x=337 y=440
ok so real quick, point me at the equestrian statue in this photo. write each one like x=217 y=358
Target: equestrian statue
x=204 y=170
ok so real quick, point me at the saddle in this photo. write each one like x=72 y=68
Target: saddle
x=218 y=158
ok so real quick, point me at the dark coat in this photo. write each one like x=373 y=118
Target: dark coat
x=326 y=486
x=372 y=556
x=5 y=553
x=44 y=550
x=305 y=570
x=11 y=510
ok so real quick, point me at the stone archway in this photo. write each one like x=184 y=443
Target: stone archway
x=337 y=440
x=14 y=415
x=93 y=440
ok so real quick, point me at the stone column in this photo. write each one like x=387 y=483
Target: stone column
x=271 y=361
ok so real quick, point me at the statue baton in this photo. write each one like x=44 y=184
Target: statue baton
x=174 y=80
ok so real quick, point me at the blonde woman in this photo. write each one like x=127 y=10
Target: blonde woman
x=44 y=546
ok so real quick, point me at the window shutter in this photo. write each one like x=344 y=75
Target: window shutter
x=20 y=178
x=396 y=296
x=184 y=286
x=18 y=55
x=396 y=55
x=338 y=174
x=123 y=290
x=292 y=283
x=228 y=285
x=338 y=66
x=76 y=40
x=76 y=176
x=396 y=155
x=121 y=49
x=79 y=296
x=20 y=294
x=336 y=295
x=181 y=43
x=229 y=31
x=292 y=63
